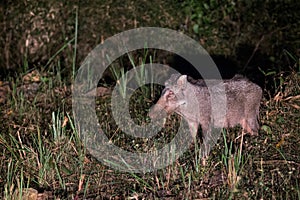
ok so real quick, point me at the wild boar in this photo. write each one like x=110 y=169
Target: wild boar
x=192 y=100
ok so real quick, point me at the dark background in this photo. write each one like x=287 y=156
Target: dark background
x=242 y=37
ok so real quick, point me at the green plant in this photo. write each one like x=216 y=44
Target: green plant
x=41 y=148
x=75 y=45
x=121 y=78
x=232 y=162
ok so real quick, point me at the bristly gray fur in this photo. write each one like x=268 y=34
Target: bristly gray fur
x=192 y=99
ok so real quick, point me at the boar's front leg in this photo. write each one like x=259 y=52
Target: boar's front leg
x=193 y=128
x=206 y=136
x=205 y=146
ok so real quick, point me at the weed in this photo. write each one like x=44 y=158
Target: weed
x=41 y=148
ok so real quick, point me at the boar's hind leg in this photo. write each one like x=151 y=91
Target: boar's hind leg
x=250 y=125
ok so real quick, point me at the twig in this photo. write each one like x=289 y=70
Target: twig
x=271 y=162
x=258 y=44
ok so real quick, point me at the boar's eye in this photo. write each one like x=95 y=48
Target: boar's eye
x=170 y=94
x=166 y=91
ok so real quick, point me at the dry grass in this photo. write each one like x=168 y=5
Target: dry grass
x=43 y=156
x=40 y=149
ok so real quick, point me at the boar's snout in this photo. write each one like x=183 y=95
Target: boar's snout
x=155 y=111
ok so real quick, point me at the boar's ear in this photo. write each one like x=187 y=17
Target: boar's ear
x=181 y=81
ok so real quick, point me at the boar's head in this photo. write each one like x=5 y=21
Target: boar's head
x=171 y=97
